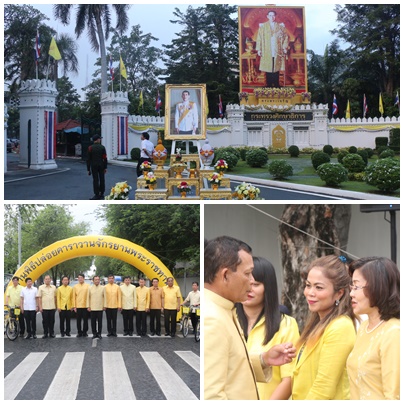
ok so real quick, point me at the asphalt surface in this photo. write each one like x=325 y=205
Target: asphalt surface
x=149 y=368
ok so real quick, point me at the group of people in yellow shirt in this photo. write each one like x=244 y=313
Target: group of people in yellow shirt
x=336 y=357
x=90 y=302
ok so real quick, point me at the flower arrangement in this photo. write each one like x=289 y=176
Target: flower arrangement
x=272 y=92
x=120 y=191
x=146 y=166
x=215 y=178
x=151 y=178
x=221 y=165
x=246 y=191
x=178 y=156
x=183 y=187
x=306 y=96
x=242 y=96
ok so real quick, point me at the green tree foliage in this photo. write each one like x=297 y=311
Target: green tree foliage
x=171 y=232
x=67 y=100
x=206 y=51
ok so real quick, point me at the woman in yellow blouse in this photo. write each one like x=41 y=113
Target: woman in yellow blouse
x=328 y=336
x=264 y=326
x=374 y=363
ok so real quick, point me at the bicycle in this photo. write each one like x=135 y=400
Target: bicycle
x=11 y=323
x=198 y=325
x=184 y=323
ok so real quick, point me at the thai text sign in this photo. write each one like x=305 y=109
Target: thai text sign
x=278 y=116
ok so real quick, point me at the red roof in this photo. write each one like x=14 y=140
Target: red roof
x=69 y=124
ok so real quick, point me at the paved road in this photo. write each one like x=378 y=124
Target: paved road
x=122 y=368
x=71 y=182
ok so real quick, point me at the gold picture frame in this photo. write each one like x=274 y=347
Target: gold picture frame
x=185 y=117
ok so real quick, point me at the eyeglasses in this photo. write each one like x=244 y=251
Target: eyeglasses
x=355 y=287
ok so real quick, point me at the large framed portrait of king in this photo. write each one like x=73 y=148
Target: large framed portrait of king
x=185 y=117
x=272 y=48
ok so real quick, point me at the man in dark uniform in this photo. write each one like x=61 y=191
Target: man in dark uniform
x=97 y=165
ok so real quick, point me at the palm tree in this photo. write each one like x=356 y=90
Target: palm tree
x=97 y=19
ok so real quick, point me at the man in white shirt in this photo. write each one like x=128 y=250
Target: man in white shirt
x=186 y=116
x=194 y=300
x=146 y=152
x=29 y=306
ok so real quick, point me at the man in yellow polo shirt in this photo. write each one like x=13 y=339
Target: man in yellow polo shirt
x=142 y=307
x=171 y=300
x=13 y=301
x=95 y=303
x=112 y=303
x=128 y=305
x=47 y=306
x=80 y=292
x=64 y=298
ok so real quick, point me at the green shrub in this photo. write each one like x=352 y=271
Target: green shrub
x=243 y=151
x=318 y=158
x=233 y=150
x=353 y=150
x=364 y=155
x=231 y=159
x=294 y=151
x=395 y=139
x=332 y=174
x=384 y=174
x=381 y=149
x=381 y=141
x=273 y=150
x=386 y=154
x=307 y=150
x=135 y=154
x=256 y=157
x=280 y=169
x=356 y=177
x=341 y=155
x=370 y=152
x=353 y=163
x=328 y=149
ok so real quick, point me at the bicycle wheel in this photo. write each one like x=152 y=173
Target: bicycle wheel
x=197 y=332
x=185 y=326
x=12 y=329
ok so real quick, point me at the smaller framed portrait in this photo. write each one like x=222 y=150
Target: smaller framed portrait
x=185 y=117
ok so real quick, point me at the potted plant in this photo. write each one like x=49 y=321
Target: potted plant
x=246 y=191
x=215 y=180
x=151 y=180
x=221 y=166
x=146 y=167
x=183 y=188
x=120 y=191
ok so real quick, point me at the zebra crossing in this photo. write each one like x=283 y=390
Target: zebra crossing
x=119 y=375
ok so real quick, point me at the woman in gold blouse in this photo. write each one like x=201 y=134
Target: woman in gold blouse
x=374 y=363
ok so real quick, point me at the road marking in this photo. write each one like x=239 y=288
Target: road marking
x=190 y=358
x=65 y=384
x=37 y=176
x=16 y=380
x=117 y=385
x=172 y=386
x=7 y=354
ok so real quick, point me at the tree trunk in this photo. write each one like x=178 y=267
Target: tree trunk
x=103 y=54
x=329 y=223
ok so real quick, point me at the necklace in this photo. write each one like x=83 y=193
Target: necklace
x=377 y=325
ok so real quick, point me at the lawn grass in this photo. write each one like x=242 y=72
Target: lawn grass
x=305 y=174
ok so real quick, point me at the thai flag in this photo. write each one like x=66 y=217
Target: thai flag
x=365 y=106
x=111 y=69
x=397 y=100
x=220 y=106
x=37 y=47
x=122 y=135
x=334 y=106
x=50 y=135
x=158 y=102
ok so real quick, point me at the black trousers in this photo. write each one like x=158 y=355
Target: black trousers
x=96 y=319
x=273 y=79
x=30 y=321
x=48 y=321
x=170 y=321
x=111 y=320
x=127 y=316
x=155 y=324
x=98 y=180
x=82 y=315
x=64 y=317
x=194 y=320
x=141 y=325
x=21 y=322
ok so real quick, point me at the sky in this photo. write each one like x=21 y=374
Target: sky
x=154 y=18
x=85 y=212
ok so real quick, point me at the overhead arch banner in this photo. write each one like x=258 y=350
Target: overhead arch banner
x=85 y=246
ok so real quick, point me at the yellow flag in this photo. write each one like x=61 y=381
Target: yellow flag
x=53 y=50
x=122 y=69
x=141 y=99
x=348 y=111
x=381 y=109
x=206 y=105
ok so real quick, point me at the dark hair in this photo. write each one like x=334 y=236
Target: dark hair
x=28 y=279
x=110 y=275
x=146 y=135
x=155 y=279
x=222 y=252
x=195 y=283
x=264 y=272
x=336 y=271
x=96 y=276
x=126 y=277
x=63 y=277
x=186 y=91
x=382 y=284
x=80 y=275
x=141 y=279
x=271 y=11
x=16 y=277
